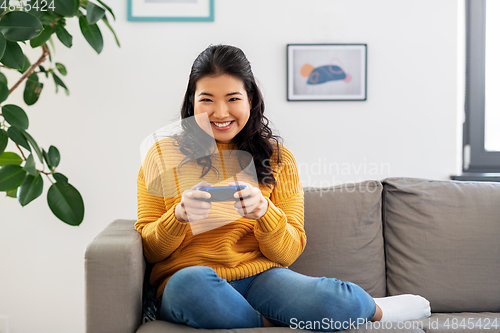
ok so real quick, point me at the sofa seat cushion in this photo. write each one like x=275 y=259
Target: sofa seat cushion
x=160 y=326
x=164 y=326
x=343 y=226
x=442 y=241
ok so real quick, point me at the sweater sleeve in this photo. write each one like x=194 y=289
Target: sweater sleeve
x=280 y=231
x=161 y=232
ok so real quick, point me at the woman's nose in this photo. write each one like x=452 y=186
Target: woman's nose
x=221 y=111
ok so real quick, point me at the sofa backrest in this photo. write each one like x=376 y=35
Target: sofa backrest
x=344 y=235
x=442 y=241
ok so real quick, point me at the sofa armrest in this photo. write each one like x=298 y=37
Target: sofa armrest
x=114 y=274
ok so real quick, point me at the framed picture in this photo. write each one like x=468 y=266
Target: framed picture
x=170 y=10
x=326 y=72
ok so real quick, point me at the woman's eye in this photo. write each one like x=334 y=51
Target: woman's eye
x=205 y=100
x=234 y=99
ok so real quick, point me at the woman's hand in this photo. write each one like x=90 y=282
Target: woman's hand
x=252 y=203
x=191 y=208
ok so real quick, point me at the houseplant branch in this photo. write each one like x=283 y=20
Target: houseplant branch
x=19 y=176
x=42 y=58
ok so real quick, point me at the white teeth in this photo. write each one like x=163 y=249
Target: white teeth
x=222 y=124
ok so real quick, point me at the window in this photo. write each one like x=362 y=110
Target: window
x=481 y=142
x=492 y=81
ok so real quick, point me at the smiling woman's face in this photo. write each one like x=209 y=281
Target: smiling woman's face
x=225 y=101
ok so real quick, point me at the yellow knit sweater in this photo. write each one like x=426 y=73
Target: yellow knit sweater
x=235 y=249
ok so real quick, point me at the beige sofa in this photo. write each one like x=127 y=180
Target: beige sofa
x=438 y=239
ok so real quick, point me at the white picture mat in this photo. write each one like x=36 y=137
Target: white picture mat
x=351 y=58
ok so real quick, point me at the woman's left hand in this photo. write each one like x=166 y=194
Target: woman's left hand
x=252 y=203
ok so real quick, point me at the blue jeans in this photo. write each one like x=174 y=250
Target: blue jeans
x=196 y=296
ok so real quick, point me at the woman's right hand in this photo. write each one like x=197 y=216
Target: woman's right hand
x=191 y=208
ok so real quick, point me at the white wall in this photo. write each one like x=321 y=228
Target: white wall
x=407 y=127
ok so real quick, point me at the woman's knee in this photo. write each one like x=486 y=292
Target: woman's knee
x=358 y=303
x=188 y=282
x=348 y=301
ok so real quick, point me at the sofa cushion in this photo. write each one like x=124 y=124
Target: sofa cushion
x=344 y=235
x=443 y=242
x=160 y=326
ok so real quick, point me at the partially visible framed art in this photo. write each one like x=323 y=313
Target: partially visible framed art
x=326 y=72
x=170 y=10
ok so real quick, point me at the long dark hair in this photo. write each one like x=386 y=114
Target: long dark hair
x=256 y=137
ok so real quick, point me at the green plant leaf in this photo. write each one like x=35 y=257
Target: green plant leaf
x=60 y=67
x=12 y=193
x=4 y=140
x=92 y=34
x=108 y=9
x=66 y=8
x=46 y=158
x=45 y=17
x=17 y=136
x=35 y=146
x=10 y=158
x=30 y=165
x=15 y=116
x=62 y=22
x=44 y=71
x=42 y=37
x=31 y=189
x=13 y=56
x=54 y=156
x=19 y=26
x=59 y=177
x=11 y=177
x=4 y=92
x=26 y=65
x=66 y=203
x=3 y=78
x=64 y=36
x=32 y=91
x=59 y=82
x=94 y=13
x=105 y=20
x=3 y=45
x=33 y=77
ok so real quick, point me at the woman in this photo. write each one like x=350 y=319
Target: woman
x=235 y=274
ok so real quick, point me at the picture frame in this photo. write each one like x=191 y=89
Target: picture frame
x=326 y=72
x=171 y=10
